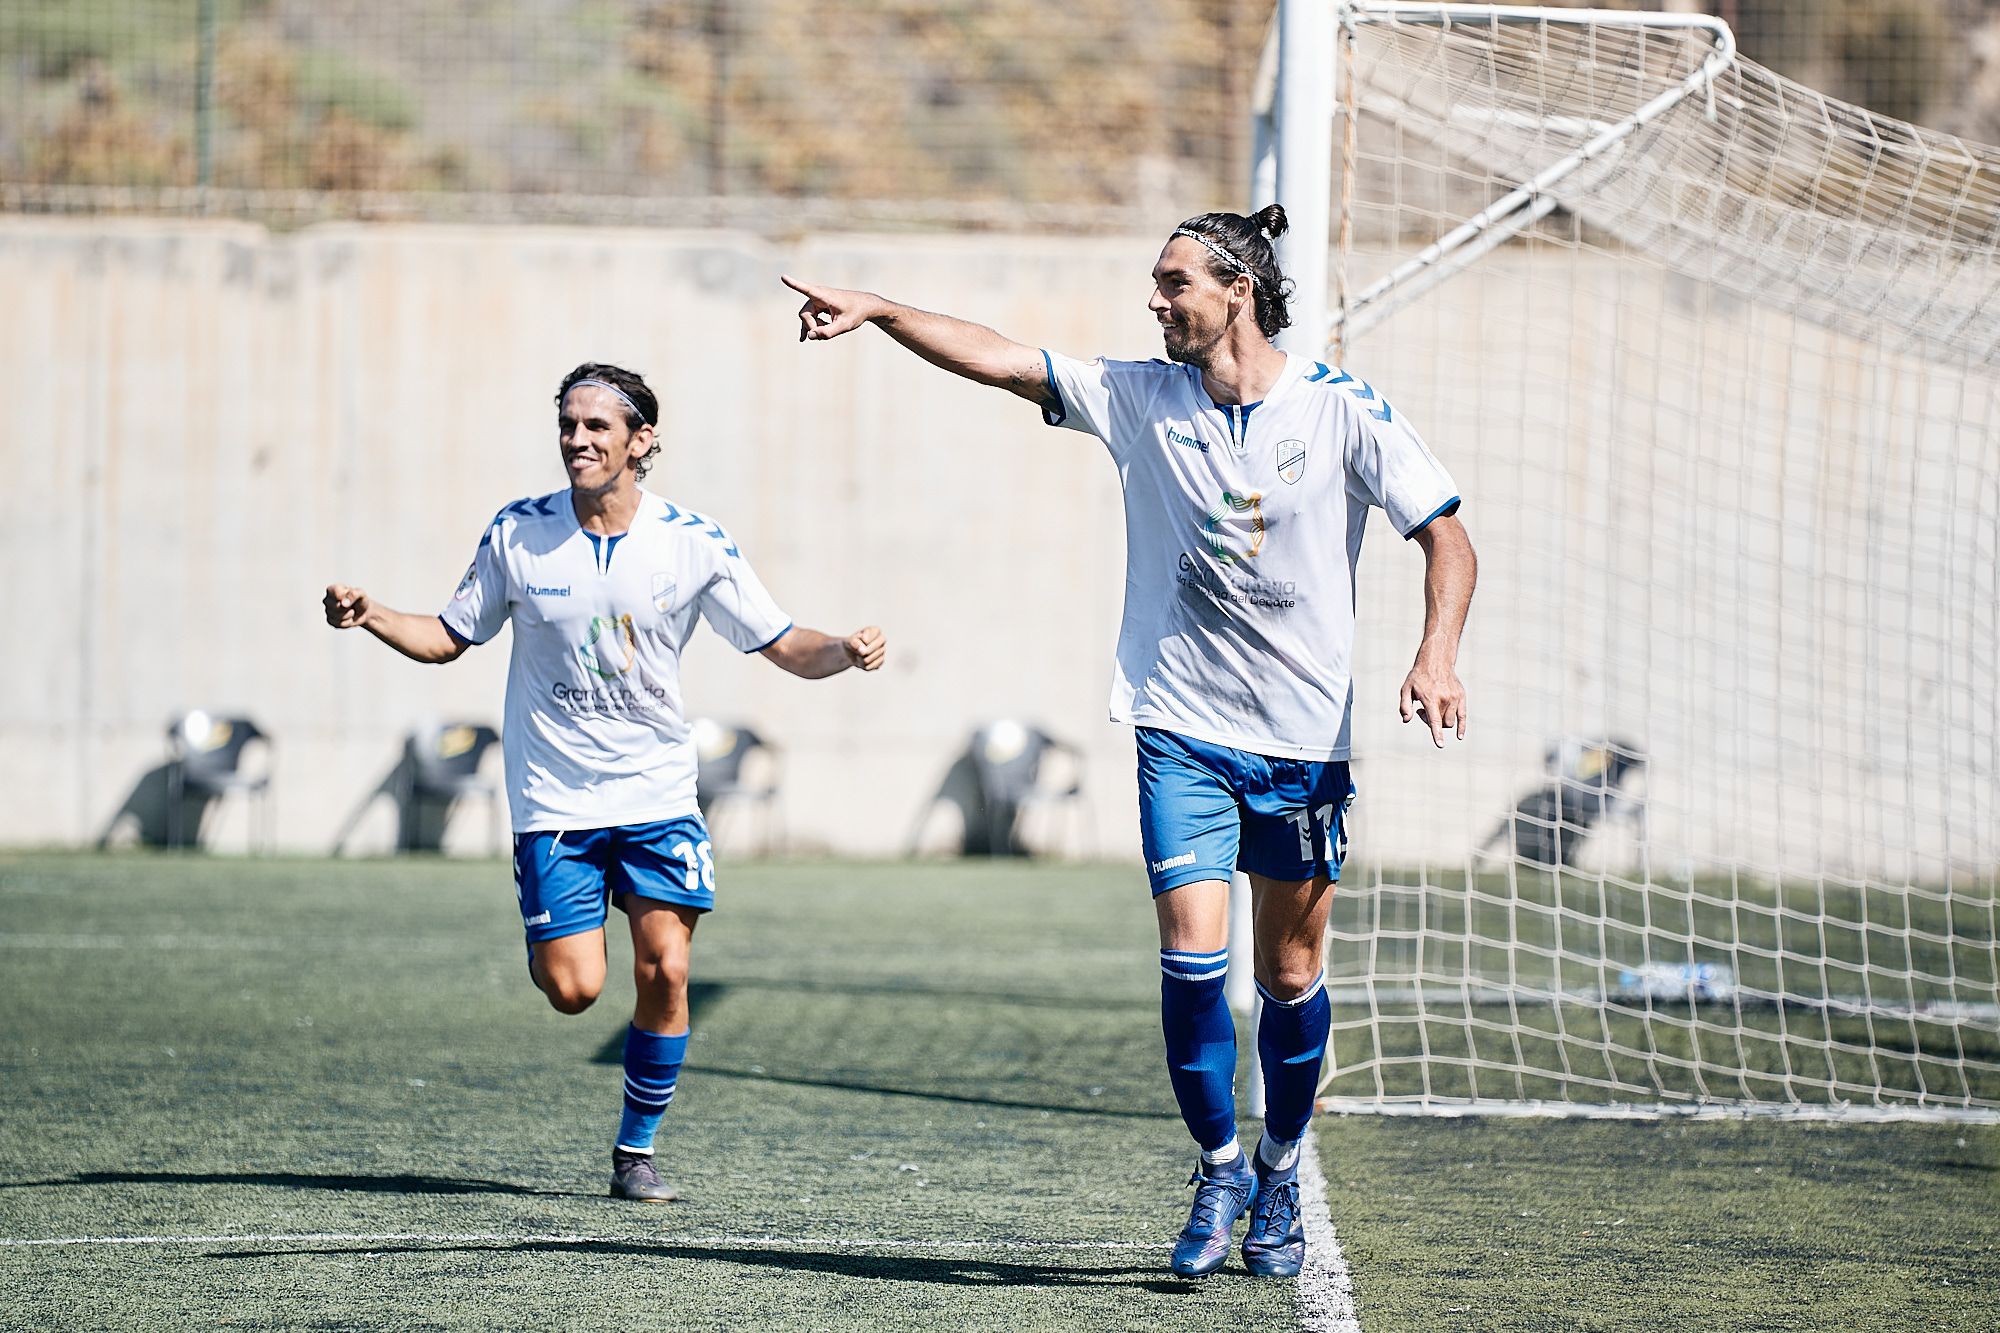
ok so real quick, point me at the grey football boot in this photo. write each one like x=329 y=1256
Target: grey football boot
x=633 y=1176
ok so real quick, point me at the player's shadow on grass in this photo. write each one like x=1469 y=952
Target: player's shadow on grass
x=386 y=1184
x=922 y=1094
x=700 y=995
x=901 y=990
x=948 y=1271
x=1961 y=1164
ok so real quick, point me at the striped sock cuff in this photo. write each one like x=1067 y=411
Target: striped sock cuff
x=644 y=1094
x=652 y=1068
x=1318 y=985
x=1184 y=966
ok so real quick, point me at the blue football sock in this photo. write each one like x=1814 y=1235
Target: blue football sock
x=1201 y=1043
x=1291 y=1042
x=652 y=1068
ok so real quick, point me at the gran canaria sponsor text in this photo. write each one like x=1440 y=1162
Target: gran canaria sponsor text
x=1280 y=594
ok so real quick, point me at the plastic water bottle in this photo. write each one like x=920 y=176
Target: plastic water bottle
x=1708 y=982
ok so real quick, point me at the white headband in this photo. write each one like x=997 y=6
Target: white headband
x=1219 y=253
x=622 y=397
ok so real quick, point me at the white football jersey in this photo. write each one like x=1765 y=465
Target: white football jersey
x=1243 y=526
x=595 y=735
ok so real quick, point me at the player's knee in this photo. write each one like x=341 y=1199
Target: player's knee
x=569 y=995
x=1289 y=980
x=661 y=974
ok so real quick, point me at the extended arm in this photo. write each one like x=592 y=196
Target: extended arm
x=814 y=656
x=1432 y=689
x=420 y=638
x=971 y=350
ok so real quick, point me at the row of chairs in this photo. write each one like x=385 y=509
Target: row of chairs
x=1003 y=774
x=212 y=757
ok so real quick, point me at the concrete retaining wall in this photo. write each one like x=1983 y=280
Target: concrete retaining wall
x=205 y=423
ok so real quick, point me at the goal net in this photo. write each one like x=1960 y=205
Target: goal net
x=1713 y=358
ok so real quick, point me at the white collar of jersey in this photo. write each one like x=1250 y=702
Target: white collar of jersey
x=1294 y=370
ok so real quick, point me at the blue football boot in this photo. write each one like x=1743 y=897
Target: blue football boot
x=1275 y=1244
x=1221 y=1194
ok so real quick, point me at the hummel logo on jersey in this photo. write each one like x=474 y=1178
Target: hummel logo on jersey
x=533 y=591
x=1172 y=862
x=1186 y=441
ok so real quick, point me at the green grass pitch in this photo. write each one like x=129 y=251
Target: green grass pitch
x=919 y=1096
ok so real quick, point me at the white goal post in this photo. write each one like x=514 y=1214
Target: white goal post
x=1716 y=361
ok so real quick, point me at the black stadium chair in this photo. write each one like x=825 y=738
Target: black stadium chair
x=209 y=758
x=441 y=766
x=737 y=767
x=1581 y=791
x=1012 y=772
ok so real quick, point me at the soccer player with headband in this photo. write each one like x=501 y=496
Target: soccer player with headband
x=604 y=582
x=1248 y=473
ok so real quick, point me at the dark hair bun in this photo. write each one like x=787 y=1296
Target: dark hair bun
x=1270 y=219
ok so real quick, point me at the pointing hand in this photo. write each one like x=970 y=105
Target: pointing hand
x=1434 y=693
x=829 y=312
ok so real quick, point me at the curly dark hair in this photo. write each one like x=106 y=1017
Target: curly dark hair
x=1248 y=240
x=633 y=386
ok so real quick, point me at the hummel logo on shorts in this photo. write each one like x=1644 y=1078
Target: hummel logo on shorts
x=1184 y=859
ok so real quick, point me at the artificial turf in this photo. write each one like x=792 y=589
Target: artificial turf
x=919 y=1096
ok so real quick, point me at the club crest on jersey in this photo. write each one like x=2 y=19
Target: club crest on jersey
x=1291 y=461
x=663 y=593
x=465 y=584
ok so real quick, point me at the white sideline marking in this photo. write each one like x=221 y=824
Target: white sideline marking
x=508 y=1238
x=1798 y=1112
x=1326 y=1288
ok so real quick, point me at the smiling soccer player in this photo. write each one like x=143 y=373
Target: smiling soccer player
x=1248 y=473
x=604 y=582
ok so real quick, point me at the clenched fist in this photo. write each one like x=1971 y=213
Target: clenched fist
x=866 y=648
x=346 y=607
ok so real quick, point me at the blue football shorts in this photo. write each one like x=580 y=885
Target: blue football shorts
x=566 y=879
x=1206 y=811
